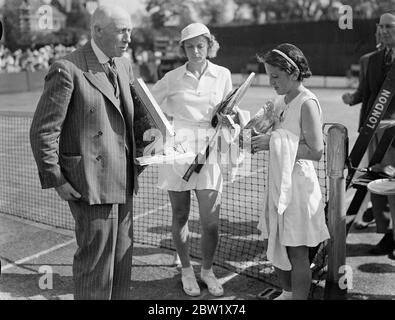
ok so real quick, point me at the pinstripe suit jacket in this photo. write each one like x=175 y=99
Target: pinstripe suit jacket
x=79 y=131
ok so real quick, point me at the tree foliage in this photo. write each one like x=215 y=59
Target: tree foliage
x=186 y=11
x=214 y=12
x=261 y=11
x=14 y=38
x=78 y=19
x=370 y=9
x=164 y=11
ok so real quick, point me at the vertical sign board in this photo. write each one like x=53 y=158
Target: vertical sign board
x=148 y=116
x=372 y=121
x=141 y=91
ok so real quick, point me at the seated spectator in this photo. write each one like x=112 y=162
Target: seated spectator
x=31 y=60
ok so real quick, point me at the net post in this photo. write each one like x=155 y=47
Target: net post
x=335 y=285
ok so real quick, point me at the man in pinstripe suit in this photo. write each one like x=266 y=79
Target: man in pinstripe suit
x=83 y=143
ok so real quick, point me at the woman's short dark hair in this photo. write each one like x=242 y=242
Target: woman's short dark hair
x=294 y=53
x=213 y=47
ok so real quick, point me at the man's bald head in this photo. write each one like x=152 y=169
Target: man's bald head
x=387 y=29
x=111 y=28
x=387 y=18
x=105 y=15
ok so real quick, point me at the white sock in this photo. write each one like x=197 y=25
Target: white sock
x=187 y=271
x=285 y=295
x=205 y=272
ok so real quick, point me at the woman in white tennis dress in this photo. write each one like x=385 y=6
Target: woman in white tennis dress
x=298 y=214
x=189 y=95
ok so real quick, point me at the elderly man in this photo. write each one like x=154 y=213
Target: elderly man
x=83 y=143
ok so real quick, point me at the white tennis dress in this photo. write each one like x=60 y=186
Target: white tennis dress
x=303 y=221
x=190 y=103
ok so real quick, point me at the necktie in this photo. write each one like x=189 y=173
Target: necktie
x=388 y=57
x=113 y=75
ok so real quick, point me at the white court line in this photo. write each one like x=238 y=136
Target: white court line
x=168 y=203
x=229 y=277
x=37 y=255
x=151 y=211
x=240 y=270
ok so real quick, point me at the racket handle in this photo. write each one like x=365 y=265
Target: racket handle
x=214 y=121
x=198 y=167
x=190 y=170
x=202 y=160
x=197 y=164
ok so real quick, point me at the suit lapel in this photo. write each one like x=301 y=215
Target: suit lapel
x=125 y=95
x=97 y=76
x=124 y=85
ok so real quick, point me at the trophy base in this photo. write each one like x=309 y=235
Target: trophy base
x=165 y=159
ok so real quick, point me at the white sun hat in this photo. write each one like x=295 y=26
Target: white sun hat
x=193 y=30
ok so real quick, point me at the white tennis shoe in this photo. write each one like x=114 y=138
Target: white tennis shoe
x=189 y=283
x=213 y=285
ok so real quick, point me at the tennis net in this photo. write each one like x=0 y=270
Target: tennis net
x=240 y=248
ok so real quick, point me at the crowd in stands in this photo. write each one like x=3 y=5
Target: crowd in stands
x=31 y=59
x=145 y=62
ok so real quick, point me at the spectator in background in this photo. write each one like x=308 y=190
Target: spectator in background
x=8 y=61
x=147 y=64
x=31 y=60
x=353 y=99
x=378 y=65
x=27 y=61
x=152 y=66
x=82 y=40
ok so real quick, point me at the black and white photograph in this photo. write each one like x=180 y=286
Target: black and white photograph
x=198 y=158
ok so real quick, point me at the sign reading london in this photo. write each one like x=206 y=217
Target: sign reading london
x=372 y=121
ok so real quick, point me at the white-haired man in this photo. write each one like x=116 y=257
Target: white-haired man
x=83 y=143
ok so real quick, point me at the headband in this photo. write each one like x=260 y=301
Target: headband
x=286 y=58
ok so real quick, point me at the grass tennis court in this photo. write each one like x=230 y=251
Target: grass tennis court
x=239 y=248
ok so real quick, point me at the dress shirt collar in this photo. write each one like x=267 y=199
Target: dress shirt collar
x=101 y=56
x=210 y=71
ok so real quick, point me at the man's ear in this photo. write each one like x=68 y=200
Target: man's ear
x=98 y=30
